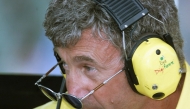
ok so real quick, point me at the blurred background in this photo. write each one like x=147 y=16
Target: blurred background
x=26 y=54
x=25 y=50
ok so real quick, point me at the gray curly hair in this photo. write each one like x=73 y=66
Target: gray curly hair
x=66 y=19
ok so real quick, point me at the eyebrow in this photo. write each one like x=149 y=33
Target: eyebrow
x=83 y=58
x=80 y=58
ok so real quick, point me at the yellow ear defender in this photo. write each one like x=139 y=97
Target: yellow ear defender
x=153 y=67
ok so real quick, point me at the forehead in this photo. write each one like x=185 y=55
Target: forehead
x=90 y=45
x=94 y=42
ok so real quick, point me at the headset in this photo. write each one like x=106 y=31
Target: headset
x=152 y=66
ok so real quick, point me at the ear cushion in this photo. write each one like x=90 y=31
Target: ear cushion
x=129 y=77
x=153 y=67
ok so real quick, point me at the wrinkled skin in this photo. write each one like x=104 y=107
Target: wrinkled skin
x=91 y=61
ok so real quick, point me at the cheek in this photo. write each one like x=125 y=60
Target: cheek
x=113 y=91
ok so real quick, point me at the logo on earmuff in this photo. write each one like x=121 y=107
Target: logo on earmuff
x=163 y=65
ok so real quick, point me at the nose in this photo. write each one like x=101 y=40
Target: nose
x=76 y=85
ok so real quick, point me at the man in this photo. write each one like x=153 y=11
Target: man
x=89 y=44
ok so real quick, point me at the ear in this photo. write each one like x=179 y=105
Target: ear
x=150 y=64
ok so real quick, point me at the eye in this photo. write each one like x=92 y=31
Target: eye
x=88 y=69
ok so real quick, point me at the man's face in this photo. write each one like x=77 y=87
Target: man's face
x=87 y=64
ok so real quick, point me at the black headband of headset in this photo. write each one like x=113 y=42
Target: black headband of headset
x=124 y=12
